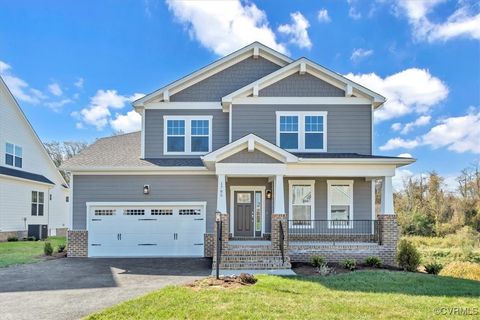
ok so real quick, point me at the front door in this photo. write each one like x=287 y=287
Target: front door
x=243 y=214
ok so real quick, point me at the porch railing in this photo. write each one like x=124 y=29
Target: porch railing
x=334 y=230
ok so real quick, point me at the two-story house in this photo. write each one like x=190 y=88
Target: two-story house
x=278 y=152
x=34 y=197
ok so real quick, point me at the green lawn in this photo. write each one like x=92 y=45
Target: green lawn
x=20 y=252
x=356 y=295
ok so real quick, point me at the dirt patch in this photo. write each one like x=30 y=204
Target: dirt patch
x=230 y=282
x=55 y=255
x=306 y=269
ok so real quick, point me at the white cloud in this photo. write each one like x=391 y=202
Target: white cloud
x=55 y=89
x=58 y=105
x=459 y=134
x=397 y=126
x=396 y=143
x=323 y=16
x=225 y=26
x=360 y=53
x=401 y=176
x=79 y=83
x=352 y=11
x=129 y=122
x=98 y=113
x=405 y=155
x=19 y=87
x=297 y=30
x=408 y=91
x=420 y=122
x=464 y=22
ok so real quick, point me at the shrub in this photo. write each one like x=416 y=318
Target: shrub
x=31 y=239
x=408 y=257
x=61 y=248
x=350 y=264
x=374 y=262
x=317 y=261
x=324 y=270
x=433 y=268
x=12 y=239
x=465 y=270
x=48 y=249
x=247 y=278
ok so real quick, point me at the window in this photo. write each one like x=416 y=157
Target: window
x=187 y=135
x=13 y=155
x=38 y=202
x=302 y=131
x=302 y=202
x=340 y=203
x=67 y=199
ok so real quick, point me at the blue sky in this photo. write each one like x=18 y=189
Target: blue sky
x=74 y=66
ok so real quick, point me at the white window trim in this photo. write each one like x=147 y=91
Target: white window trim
x=329 y=205
x=188 y=136
x=301 y=128
x=13 y=154
x=291 y=183
x=37 y=203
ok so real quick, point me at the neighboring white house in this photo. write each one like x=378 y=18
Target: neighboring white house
x=33 y=193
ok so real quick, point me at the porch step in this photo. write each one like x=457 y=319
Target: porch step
x=253 y=257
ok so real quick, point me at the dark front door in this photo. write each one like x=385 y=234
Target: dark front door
x=243 y=214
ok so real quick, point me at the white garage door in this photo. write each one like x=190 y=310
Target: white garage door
x=146 y=229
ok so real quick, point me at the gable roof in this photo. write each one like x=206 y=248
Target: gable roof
x=29 y=125
x=250 y=142
x=304 y=65
x=255 y=49
x=24 y=175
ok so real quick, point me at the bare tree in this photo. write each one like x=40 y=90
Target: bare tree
x=62 y=151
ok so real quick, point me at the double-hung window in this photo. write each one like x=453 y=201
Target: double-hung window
x=302 y=131
x=13 y=155
x=187 y=135
x=38 y=203
x=302 y=202
x=340 y=203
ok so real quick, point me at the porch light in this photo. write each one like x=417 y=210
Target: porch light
x=146 y=189
x=269 y=194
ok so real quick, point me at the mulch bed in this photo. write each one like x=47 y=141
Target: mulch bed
x=306 y=269
x=228 y=282
x=55 y=255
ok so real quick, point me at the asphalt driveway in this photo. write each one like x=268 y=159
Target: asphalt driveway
x=72 y=288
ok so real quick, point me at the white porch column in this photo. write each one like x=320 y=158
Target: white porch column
x=387 y=196
x=221 y=194
x=278 y=197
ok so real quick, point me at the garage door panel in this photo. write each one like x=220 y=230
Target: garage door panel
x=143 y=231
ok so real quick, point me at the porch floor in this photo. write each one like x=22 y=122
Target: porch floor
x=331 y=243
x=249 y=242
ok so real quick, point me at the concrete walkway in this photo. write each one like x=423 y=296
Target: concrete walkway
x=72 y=288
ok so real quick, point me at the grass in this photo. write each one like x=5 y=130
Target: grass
x=21 y=252
x=355 y=295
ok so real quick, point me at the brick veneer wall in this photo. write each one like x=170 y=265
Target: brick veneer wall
x=4 y=235
x=275 y=236
x=301 y=252
x=209 y=244
x=77 y=243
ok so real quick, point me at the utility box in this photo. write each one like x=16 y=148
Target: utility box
x=39 y=231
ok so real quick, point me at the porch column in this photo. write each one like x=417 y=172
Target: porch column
x=387 y=196
x=278 y=197
x=221 y=195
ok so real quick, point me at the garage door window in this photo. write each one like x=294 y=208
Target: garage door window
x=134 y=212
x=189 y=212
x=104 y=212
x=161 y=212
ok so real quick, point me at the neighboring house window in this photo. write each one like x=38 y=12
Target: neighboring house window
x=187 y=134
x=302 y=131
x=67 y=199
x=340 y=203
x=13 y=155
x=302 y=202
x=37 y=203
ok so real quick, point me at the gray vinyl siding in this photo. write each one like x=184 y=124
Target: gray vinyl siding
x=348 y=126
x=227 y=81
x=250 y=157
x=301 y=85
x=154 y=130
x=362 y=197
x=109 y=188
